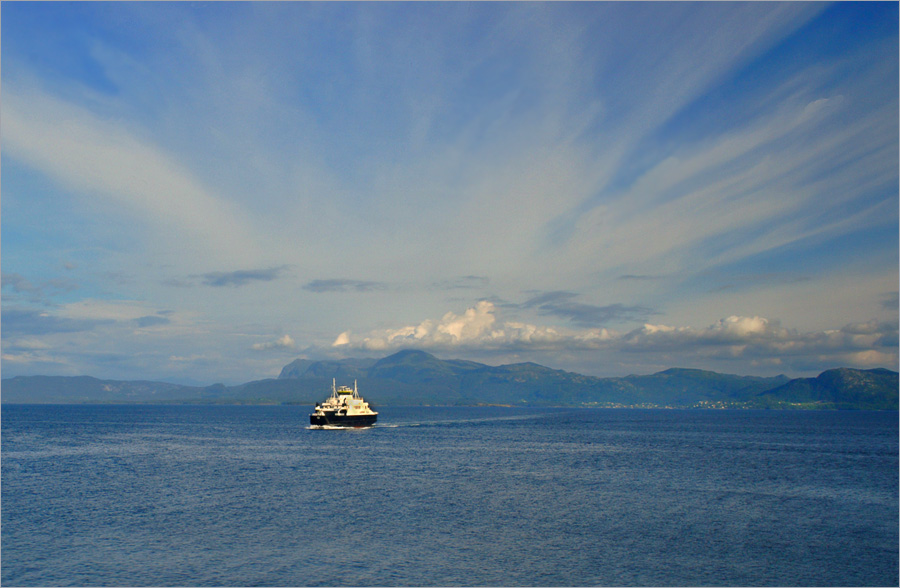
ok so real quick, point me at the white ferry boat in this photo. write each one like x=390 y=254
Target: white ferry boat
x=344 y=408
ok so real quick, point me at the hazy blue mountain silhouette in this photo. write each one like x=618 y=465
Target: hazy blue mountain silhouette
x=414 y=377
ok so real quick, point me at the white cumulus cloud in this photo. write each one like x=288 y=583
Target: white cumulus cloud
x=283 y=342
x=476 y=328
x=759 y=340
x=765 y=340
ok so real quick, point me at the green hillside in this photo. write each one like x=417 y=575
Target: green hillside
x=841 y=388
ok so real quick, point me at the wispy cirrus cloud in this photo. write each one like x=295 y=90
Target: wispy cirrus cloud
x=115 y=338
x=80 y=316
x=232 y=279
x=92 y=154
x=563 y=304
x=152 y=320
x=748 y=189
x=343 y=285
x=40 y=291
x=19 y=322
x=241 y=277
x=611 y=161
x=462 y=283
x=639 y=277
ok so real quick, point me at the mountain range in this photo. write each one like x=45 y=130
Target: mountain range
x=414 y=377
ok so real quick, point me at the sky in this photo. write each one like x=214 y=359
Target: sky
x=203 y=192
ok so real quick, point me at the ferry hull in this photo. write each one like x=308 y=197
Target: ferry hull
x=333 y=420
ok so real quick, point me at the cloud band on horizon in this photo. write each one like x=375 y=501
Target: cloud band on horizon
x=754 y=338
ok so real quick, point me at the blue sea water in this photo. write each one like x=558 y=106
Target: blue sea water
x=250 y=496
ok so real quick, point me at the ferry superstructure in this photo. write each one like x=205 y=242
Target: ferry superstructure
x=344 y=408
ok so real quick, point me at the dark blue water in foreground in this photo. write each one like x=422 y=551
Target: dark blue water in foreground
x=246 y=496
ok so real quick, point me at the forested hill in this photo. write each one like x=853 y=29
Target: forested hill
x=419 y=378
x=841 y=388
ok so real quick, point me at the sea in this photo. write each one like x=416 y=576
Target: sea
x=463 y=496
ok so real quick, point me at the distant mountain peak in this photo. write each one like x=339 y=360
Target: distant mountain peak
x=677 y=371
x=407 y=354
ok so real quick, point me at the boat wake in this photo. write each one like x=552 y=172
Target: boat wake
x=434 y=423
x=461 y=421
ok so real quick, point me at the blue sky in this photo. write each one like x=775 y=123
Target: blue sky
x=203 y=192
